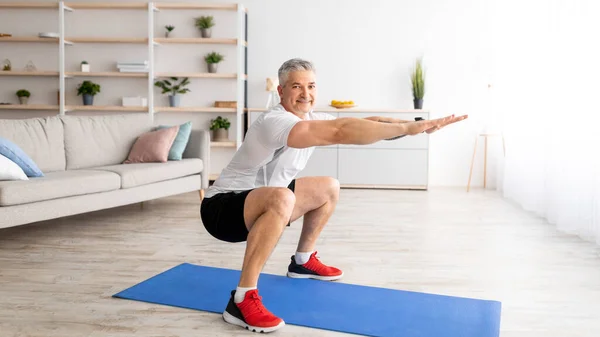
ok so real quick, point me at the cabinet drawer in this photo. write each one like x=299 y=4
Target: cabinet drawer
x=383 y=167
x=323 y=162
x=420 y=141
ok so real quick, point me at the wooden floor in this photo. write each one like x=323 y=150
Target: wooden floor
x=57 y=277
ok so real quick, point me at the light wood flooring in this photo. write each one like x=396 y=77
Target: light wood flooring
x=57 y=277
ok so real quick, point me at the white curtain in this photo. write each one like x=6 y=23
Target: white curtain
x=546 y=93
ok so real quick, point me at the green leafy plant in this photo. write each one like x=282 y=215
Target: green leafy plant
x=23 y=93
x=84 y=62
x=205 y=22
x=169 y=28
x=219 y=123
x=88 y=88
x=173 y=88
x=213 y=57
x=6 y=67
x=418 y=80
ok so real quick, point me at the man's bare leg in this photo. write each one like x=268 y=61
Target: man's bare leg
x=267 y=211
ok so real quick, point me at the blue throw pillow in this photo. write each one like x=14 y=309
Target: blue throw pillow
x=181 y=140
x=11 y=151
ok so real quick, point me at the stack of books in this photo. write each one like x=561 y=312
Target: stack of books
x=133 y=67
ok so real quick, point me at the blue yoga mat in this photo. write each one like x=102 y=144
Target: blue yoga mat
x=326 y=305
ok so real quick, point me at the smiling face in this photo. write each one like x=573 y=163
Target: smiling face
x=299 y=92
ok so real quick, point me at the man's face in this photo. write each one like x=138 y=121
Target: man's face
x=299 y=93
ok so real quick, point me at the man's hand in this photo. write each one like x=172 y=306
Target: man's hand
x=454 y=120
x=431 y=126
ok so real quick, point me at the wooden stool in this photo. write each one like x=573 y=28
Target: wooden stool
x=485 y=135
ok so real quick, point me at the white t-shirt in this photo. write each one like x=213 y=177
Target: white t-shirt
x=264 y=159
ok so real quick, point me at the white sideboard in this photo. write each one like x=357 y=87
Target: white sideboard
x=397 y=164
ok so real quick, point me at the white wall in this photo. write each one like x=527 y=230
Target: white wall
x=363 y=51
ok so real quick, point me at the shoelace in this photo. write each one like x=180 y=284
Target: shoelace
x=255 y=305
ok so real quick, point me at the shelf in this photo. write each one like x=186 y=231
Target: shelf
x=195 y=40
x=183 y=5
x=28 y=107
x=223 y=144
x=357 y=109
x=193 y=109
x=107 y=39
x=106 y=108
x=28 y=73
x=199 y=75
x=28 y=39
x=33 y=5
x=105 y=74
x=104 y=5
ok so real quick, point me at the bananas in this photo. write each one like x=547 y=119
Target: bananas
x=335 y=102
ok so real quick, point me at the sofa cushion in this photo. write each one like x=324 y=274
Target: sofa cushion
x=92 y=141
x=57 y=185
x=42 y=139
x=153 y=146
x=10 y=171
x=137 y=174
x=13 y=152
x=181 y=141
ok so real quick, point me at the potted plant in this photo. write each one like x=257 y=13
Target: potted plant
x=169 y=29
x=173 y=88
x=23 y=95
x=212 y=60
x=88 y=89
x=220 y=127
x=7 y=65
x=418 y=84
x=85 y=67
x=205 y=23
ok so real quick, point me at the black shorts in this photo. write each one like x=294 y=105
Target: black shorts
x=223 y=215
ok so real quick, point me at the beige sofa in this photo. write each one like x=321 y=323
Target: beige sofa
x=82 y=156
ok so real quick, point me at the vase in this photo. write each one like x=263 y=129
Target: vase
x=220 y=135
x=212 y=67
x=206 y=32
x=23 y=100
x=173 y=101
x=88 y=99
x=418 y=103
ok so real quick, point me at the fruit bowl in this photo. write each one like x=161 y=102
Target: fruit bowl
x=342 y=104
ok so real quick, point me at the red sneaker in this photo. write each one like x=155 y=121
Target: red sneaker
x=313 y=269
x=251 y=314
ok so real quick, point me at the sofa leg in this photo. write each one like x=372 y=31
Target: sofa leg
x=201 y=192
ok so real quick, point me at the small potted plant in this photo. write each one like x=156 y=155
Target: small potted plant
x=220 y=127
x=173 y=88
x=85 y=67
x=205 y=23
x=6 y=66
x=23 y=95
x=88 y=89
x=212 y=60
x=169 y=29
x=418 y=84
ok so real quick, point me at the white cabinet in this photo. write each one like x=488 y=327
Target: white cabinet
x=323 y=162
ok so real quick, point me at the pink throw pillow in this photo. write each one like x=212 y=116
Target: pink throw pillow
x=153 y=146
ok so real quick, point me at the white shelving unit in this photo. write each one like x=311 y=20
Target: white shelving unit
x=152 y=9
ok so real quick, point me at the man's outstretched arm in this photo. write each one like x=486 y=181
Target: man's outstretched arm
x=358 y=131
x=386 y=119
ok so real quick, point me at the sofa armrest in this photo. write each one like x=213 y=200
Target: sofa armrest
x=199 y=147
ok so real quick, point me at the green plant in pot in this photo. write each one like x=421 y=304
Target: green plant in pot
x=171 y=86
x=417 y=79
x=212 y=61
x=205 y=24
x=88 y=89
x=220 y=128
x=169 y=29
x=23 y=95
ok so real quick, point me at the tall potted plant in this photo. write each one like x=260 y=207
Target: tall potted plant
x=173 y=88
x=212 y=60
x=418 y=84
x=205 y=23
x=23 y=95
x=220 y=127
x=88 y=89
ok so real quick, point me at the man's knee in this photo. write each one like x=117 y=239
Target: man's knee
x=333 y=188
x=282 y=201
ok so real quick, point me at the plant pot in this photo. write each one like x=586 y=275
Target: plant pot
x=88 y=99
x=206 y=32
x=418 y=103
x=174 y=100
x=85 y=68
x=212 y=67
x=220 y=135
x=167 y=34
x=23 y=100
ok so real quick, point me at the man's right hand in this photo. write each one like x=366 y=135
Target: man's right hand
x=430 y=126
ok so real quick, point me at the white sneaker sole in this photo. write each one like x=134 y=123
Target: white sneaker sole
x=316 y=277
x=229 y=318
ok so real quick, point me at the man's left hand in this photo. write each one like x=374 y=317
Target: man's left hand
x=451 y=121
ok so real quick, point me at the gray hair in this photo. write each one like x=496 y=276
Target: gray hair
x=293 y=65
